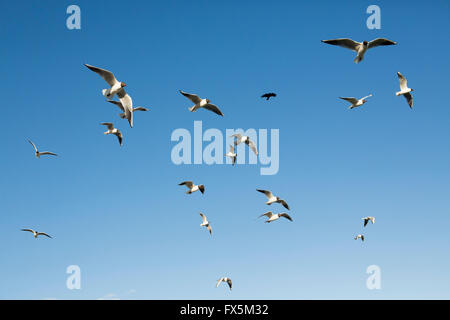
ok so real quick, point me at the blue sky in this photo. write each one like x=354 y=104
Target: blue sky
x=118 y=213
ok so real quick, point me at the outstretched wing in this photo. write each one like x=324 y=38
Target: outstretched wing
x=403 y=82
x=193 y=97
x=380 y=42
x=284 y=204
x=117 y=103
x=29 y=230
x=43 y=234
x=344 y=42
x=213 y=108
x=48 y=153
x=109 y=125
x=409 y=98
x=188 y=184
x=140 y=109
x=108 y=76
x=349 y=99
x=33 y=145
x=119 y=137
x=252 y=146
x=203 y=217
x=230 y=283
x=285 y=215
x=268 y=193
x=267 y=214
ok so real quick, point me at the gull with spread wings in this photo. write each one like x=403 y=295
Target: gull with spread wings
x=273 y=217
x=38 y=153
x=36 y=234
x=192 y=187
x=355 y=102
x=404 y=90
x=201 y=103
x=205 y=223
x=225 y=279
x=239 y=138
x=272 y=199
x=112 y=130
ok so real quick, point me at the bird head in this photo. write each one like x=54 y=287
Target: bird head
x=123 y=84
x=208 y=101
x=365 y=43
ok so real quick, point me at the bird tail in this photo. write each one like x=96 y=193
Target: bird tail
x=192 y=109
x=398 y=93
x=357 y=59
x=105 y=92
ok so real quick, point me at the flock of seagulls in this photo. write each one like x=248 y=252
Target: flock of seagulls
x=125 y=104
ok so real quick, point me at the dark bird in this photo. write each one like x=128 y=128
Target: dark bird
x=269 y=95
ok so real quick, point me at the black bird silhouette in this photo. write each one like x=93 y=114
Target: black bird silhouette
x=268 y=95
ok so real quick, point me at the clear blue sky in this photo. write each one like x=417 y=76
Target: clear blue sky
x=118 y=212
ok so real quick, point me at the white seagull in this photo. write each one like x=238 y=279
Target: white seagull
x=36 y=234
x=39 y=154
x=271 y=198
x=112 y=130
x=404 y=90
x=192 y=187
x=359 y=47
x=201 y=103
x=355 y=102
x=239 y=138
x=116 y=88
x=232 y=154
x=205 y=223
x=367 y=219
x=273 y=217
x=359 y=236
x=227 y=280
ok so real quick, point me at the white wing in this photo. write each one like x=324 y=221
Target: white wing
x=127 y=104
x=403 y=82
x=193 y=97
x=108 y=76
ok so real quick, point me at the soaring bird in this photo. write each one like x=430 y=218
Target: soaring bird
x=404 y=90
x=359 y=47
x=36 y=234
x=232 y=154
x=367 y=219
x=205 y=223
x=239 y=138
x=359 y=236
x=201 y=103
x=356 y=102
x=192 y=187
x=273 y=217
x=112 y=130
x=225 y=279
x=116 y=88
x=38 y=153
x=272 y=199
x=268 y=95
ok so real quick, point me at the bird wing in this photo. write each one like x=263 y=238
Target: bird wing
x=268 y=193
x=237 y=138
x=403 y=82
x=409 y=98
x=380 y=42
x=29 y=230
x=213 y=108
x=119 y=136
x=285 y=215
x=372 y=219
x=188 y=184
x=193 y=97
x=218 y=282
x=365 y=221
x=108 y=76
x=43 y=234
x=109 y=125
x=252 y=146
x=33 y=145
x=140 y=109
x=127 y=104
x=231 y=148
x=284 y=204
x=344 y=42
x=267 y=214
x=47 y=152
x=117 y=103
x=366 y=97
x=209 y=228
x=349 y=99
x=203 y=217
x=230 y=283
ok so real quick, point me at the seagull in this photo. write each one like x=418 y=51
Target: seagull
x=201 y=103
x=227 y=280
x=119 y=104
x=116 y=88
x=205 y=223
x=269 y=95
x=359 y=47
x=239 y=138
x=367 y=219
x=39 y=154
x=360 y=236
x=192 y=187
x=271 y=198
x=112 y=130
x=36 y=234
x=232 y=154
x=355 y=102
x=404 y=90
x=273 y=217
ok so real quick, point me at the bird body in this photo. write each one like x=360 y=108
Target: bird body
x=201 y=103
x=225 y=279
x=359 y=236
x=112 y=130
x=269 y=95
x=232 y=154
x=192 y=187
x=404 y=90
x=36 y=234
x=359 y=47
x=205 y=223
x=239 y=138
x=355 y=103
x=273 y=199
x=272 y=217
x=367 y=219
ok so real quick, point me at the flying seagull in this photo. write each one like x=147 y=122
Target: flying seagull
x=225 y=279
x=119 y=104
x=36 y=234
x=271 y=198
x=112 y=130
x=201 y=103
x=39 y=154
x=359 y=236
x=359 y=47
x=232 y=154
x=268 y=95
x=205 y=223
x=239 y=138
x=355 y=102
x=273 y=217
x=192 y=187
x=116 y=88
x=367 y=219
x=404 y=90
